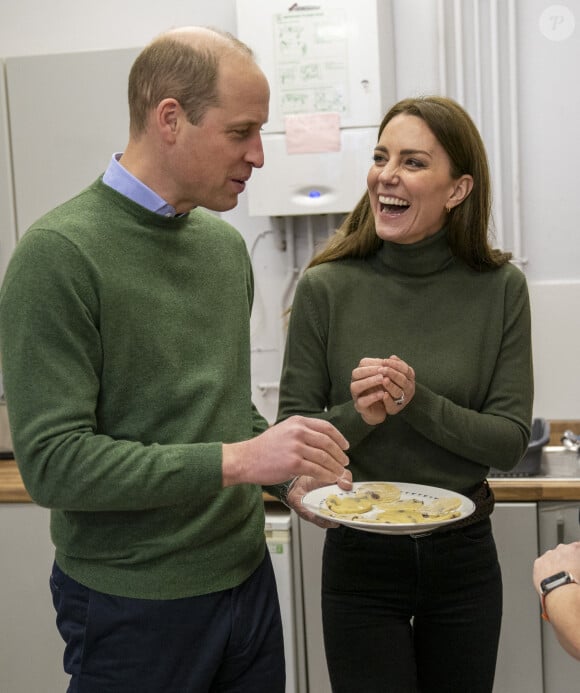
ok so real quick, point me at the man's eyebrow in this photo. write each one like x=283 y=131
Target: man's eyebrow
x=246 y=123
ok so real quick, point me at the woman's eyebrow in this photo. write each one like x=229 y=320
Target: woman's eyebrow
x=404 y=152
x=407 y=152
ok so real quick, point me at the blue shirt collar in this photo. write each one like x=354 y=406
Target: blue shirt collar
x=117 y=177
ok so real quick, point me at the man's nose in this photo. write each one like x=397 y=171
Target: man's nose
x=255 y=153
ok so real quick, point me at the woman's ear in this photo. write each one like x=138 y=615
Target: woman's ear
x=462 y=187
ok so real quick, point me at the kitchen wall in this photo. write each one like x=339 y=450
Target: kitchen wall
x=547 y=113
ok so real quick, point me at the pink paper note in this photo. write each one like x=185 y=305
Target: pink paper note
x=312 y=133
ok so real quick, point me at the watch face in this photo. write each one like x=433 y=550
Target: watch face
x=556 y=580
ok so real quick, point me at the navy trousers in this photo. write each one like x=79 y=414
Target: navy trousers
x=229 y=641
x=411 y=615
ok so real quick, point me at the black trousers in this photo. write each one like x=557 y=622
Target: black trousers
x=411 y=615
x=229 y=641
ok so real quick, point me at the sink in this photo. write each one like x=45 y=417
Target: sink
x=559 y=462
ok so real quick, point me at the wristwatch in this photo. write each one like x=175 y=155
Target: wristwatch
x=284 y=490
x=550 y=583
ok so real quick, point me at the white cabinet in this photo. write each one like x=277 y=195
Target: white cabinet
x=279 y=544
x=519 y=664
x=311 y=544
x=30 y=647
x=559 y=522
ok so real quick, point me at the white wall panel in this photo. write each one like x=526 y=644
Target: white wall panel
x=36 y=27
x=550 y=113
x=556 y=341
x=68 y=114
x=7 y=227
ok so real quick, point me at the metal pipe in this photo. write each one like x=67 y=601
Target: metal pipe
x=264 y=388
x=441 y=45
x=458 y=46
x=330 y=225
x=478 y=112
x=514 y=139
x=496 y=120
x=309 y=240
x=292 y=269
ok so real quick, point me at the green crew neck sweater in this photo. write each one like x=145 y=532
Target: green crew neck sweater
x=126 y=360
x=467 y=335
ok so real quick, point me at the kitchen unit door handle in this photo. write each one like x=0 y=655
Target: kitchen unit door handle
x=560 y=527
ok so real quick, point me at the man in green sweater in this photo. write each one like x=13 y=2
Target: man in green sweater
x=124 y=335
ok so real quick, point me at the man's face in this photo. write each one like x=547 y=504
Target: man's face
x=213 y=160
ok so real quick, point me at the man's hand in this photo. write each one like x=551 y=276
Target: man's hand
x=299 y=446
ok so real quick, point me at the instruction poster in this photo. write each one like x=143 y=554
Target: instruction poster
x=311 y=51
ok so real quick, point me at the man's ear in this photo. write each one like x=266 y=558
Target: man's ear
x=462 y=187
x=167 y=116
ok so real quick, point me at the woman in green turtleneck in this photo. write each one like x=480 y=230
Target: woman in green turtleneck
x=412 y=335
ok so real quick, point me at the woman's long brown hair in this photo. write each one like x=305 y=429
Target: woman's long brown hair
x=467 y=223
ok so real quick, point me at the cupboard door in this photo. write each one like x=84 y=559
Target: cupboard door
x=519 y=664
x=559 y=523
x=31 y=649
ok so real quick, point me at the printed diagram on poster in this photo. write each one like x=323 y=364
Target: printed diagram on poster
x=312 y=61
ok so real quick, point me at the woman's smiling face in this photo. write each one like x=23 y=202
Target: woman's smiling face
x=410 y=182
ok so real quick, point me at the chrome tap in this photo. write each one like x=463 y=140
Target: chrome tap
x=571 y=441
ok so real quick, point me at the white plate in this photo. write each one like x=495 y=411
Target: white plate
x=315 y=501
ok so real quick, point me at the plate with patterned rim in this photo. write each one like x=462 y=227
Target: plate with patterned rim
x=416 y=496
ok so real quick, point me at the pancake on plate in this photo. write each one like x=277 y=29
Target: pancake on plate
x=381 y=502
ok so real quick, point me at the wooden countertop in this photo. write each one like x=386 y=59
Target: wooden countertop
x=11 y=487
x=506 y=489
x=536 y=489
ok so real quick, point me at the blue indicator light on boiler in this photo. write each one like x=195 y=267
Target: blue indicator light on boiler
x=314 y=193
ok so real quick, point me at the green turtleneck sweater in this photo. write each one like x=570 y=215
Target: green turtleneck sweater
x=126 y=360
x=467 y=335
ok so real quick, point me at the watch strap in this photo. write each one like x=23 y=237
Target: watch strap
x=567 y=579
x=284 y=490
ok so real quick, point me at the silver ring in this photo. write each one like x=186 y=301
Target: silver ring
x=401 y=399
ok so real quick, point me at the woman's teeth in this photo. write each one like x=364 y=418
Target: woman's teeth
x=391 y=204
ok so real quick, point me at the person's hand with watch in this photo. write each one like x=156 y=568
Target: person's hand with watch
x=556 y=577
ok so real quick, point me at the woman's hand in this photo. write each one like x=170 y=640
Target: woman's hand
x=381 y=387
x=302 y=486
